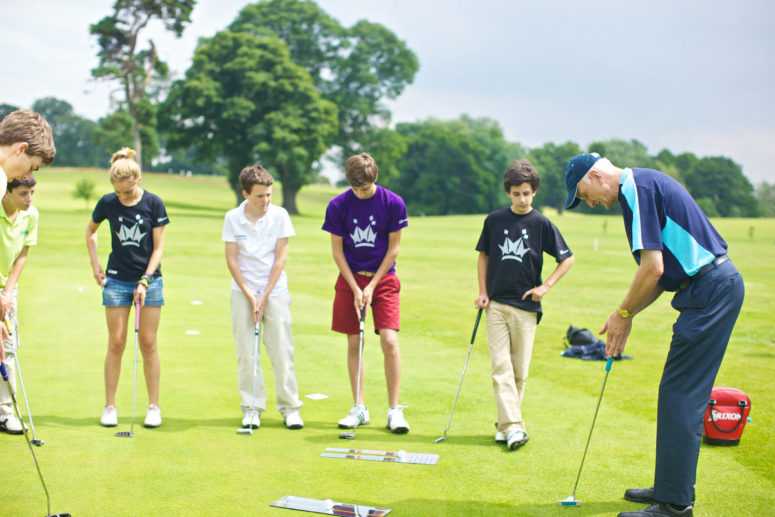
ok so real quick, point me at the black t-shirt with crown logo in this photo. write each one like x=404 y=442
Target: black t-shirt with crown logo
x=514 y=245
x=131 y=232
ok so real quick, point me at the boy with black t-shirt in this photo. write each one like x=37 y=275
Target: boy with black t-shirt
x=511 y=248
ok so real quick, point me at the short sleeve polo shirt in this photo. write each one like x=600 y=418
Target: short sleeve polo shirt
x=659 y=214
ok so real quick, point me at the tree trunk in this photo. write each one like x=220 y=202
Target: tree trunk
x=138 y=141
x=289 y=198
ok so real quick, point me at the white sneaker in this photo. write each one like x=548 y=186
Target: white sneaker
x=500 y=437
x=109 y=417
x=293 y=420
x=153 y=416
x=358 y=415
x=251 y=419
x=516 y=439
x=11 y=425
x=396 y=421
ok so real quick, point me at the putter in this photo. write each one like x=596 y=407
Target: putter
x=443 y=437
x=350 y=435
x=131 y=432
x=7 y=379
x=571 y=499
x=257 y=334
x=35 y=440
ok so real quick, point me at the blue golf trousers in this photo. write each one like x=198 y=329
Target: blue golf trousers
x=709 y=307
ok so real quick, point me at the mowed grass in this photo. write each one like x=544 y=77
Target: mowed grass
x=197 y=465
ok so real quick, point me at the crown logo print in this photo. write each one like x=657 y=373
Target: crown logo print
x=514 y=250
x=364 y=236
x=131 y=236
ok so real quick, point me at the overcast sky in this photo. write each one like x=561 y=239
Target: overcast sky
x=690 y=76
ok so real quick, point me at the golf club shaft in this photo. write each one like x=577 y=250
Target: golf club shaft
x=361 y=343
x=24 y=393
x=608 y=363
x=134 y=382
x=256 y=342
x=6 y=378
x=463 y=373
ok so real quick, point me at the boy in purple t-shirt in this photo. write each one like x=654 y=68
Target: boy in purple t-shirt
x=365 y=224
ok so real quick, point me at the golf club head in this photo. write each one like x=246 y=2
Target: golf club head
x=124 y=434
x=37 y=442
x=440 y=439
x=245 y=430
x=349 y=435
x=60 y=515
x=570 y=501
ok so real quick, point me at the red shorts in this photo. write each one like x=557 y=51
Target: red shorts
x=385 y=306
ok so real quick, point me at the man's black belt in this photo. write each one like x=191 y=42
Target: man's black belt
x=704 y=269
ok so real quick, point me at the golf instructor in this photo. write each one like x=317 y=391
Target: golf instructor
x=676 y=249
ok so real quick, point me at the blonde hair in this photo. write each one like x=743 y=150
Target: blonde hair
x=123 y=165
x=30 y=127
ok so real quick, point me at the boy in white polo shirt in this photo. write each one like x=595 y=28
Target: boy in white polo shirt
x=256 y=236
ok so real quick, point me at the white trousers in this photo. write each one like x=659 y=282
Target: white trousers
x=276 y=336
x=6 y=403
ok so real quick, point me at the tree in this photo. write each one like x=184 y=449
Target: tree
x=624 y=153
x=765 y=194
x=387 y=147
x=75 y=136
x=356 y=68
x=114 y=131
x=243 y=99
x=550 y=160
x=84 y=189
x=121 y=59
x=5 y=109
x=721 y=181
x=452 y=167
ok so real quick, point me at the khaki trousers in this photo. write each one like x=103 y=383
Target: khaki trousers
x=510 y=333
x=276 y=336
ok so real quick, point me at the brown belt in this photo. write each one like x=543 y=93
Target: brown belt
x=365 y=273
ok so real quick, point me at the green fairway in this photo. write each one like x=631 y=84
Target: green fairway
x=196 y=464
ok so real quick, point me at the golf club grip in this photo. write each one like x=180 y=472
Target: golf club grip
x=4 y=372
x=609 y=363
x=476 y=325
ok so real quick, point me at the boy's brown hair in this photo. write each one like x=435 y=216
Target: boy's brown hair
x=30 y=127
x=361 y=170
x=519 y=172
x=254 y=175
x=26 y=181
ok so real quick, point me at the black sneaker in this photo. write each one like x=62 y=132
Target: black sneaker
x=659 y=510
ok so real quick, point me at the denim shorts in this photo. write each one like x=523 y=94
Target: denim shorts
x=118 y=293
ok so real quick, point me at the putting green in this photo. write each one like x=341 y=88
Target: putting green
x=196 y=464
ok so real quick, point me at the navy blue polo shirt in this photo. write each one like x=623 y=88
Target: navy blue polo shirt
x=659 y=214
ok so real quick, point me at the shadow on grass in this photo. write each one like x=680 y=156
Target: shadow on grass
x=430 y=507
x=381 y=434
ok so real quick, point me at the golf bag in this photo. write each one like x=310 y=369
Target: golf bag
x=726 y=416
x=581 y=343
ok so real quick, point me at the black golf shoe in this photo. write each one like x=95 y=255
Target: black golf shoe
x=640 y=495
x=659 y=510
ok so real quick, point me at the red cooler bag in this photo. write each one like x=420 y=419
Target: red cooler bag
x=726 y=416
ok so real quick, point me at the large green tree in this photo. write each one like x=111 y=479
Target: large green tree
x=244 y=100
x=356 y=68
x=137 y=70
x=6 y=108
x=550 y=160
x=624 y=153
x=452 y=166
x=718 y=183
x=75 y=136
x=765 y=195
x=115 y=131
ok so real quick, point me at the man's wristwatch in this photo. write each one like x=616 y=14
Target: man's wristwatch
x=624 y=313
x=144 y=281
